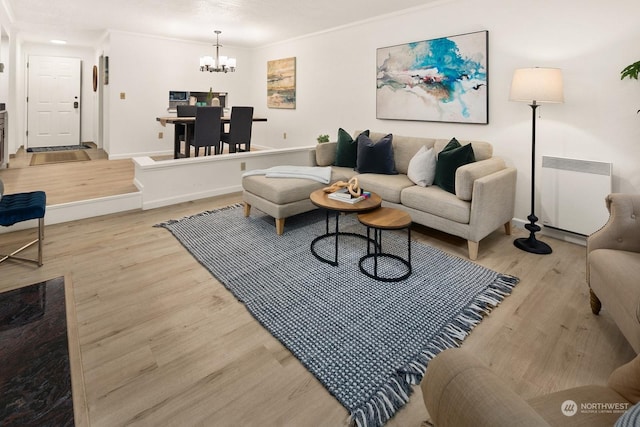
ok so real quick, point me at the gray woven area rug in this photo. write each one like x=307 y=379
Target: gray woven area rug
x=367 y=341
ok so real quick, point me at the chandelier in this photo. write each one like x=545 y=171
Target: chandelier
x=219 y=64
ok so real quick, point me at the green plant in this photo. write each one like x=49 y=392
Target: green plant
x=323 y=138
x=631 y=71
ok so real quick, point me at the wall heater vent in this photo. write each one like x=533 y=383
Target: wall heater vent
x=573 y=193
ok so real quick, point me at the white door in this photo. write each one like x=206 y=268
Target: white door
x=53 y=99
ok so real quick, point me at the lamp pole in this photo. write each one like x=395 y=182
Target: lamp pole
x=531 y=244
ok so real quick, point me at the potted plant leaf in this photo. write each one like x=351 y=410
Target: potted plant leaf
x=631 y=72
x=323 y=138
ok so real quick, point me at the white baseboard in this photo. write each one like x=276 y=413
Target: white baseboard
x=555 y=233
x=187 y=197
x=72 y=211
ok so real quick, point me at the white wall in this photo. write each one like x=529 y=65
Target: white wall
x=145 y=69
x=336 y=79
x=590 y=40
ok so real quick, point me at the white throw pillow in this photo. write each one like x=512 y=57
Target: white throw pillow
x=422 y=167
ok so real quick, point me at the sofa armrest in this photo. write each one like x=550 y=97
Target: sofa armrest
x=458 y=390
x=624 y=380
x=493 y=202
x=467 y=174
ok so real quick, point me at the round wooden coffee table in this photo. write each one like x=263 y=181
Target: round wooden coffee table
x=385 y=219
x=322 y=200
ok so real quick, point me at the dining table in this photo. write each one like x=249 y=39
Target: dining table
x=189 y=122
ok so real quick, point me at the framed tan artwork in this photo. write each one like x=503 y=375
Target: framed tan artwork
x=281 y=83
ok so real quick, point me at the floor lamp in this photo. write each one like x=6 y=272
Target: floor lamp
x=535 y=86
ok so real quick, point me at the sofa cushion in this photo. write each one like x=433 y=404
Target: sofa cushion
x=422 y=167
x=389 y=187
x=436 y=201
x=347 y=149
x=326 y=153
x=280 y=190
x=449 y=160
x=342 y=174
x=467 y=174
x=376 y=157
x=404 y=148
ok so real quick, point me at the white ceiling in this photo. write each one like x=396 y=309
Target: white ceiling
x=244 y=23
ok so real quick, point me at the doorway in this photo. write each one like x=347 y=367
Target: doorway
x=53 y=101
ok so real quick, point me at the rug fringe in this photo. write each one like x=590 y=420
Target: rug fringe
x=383 y=405
x=173 y=221
x=394 y=395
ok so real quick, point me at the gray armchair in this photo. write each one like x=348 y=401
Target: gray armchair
x=613 y=265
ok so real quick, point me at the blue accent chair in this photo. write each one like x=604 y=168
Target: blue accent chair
x=20 y=207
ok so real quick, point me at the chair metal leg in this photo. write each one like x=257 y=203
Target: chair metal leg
x=39 y=240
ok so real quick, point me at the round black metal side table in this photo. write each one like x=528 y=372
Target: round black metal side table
x=385 y=219
x=321 y=199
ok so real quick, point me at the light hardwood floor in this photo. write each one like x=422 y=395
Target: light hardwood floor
x=70 y=182
x=163 y=343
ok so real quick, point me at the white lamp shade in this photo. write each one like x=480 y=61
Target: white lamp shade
x=537 y=85
x=231 y=62
x=206 y=61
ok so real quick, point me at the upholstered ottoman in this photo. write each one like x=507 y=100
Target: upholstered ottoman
x=278 y=197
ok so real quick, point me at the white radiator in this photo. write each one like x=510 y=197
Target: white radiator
x=573 y=193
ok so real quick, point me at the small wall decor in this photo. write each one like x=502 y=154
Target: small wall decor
x=106 y=70
x=281 y=83
x=95 y=78
x=442 y=80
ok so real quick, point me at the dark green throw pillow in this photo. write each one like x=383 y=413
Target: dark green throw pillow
x=450 y=159
x=347 y=149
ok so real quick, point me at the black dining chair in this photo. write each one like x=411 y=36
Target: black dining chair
x=184 y=111
x=239 y=129
x=207 y=131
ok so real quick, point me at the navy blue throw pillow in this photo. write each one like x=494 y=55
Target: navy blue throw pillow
x=376 y=157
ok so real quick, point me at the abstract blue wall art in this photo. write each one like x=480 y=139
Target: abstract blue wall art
x=442 y=80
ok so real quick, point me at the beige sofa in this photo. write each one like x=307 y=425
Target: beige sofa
x=484 y=199
x=613 y=265
x=460 y=391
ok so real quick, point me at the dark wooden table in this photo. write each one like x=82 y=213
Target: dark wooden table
x=189 y=122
